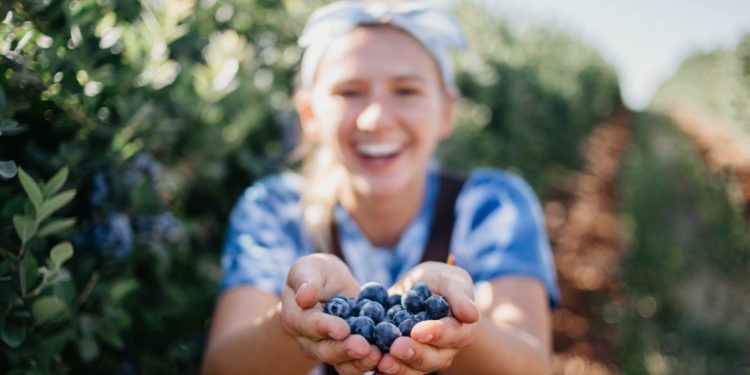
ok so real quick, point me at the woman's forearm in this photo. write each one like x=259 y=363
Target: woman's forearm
x=263 y=348
x=501 y=347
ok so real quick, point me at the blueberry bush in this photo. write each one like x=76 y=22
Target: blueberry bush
x=128 y=130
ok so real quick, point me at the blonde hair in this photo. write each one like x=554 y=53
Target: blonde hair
x=322 y=176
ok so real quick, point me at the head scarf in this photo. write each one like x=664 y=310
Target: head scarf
x=436 y=30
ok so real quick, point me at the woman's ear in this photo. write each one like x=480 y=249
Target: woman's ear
x=303 y=102
x=450 y=100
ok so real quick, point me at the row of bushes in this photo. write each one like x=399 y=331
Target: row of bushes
x=716 y=81
x=687 y=266
x=128 y=129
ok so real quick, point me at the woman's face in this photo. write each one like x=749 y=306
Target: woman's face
x=378 y=102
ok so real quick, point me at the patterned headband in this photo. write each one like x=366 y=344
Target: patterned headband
x=436 y=30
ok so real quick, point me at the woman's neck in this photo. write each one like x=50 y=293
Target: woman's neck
x=383 y=219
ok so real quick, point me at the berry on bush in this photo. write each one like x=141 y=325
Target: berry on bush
x=367 y=315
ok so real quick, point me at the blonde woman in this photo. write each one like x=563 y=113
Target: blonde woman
x=377 y=96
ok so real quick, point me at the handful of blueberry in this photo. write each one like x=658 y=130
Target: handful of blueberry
x=381 y=318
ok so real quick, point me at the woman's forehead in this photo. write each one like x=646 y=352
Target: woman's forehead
x=373 y=51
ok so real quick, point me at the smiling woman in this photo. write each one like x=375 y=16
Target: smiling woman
x=377 y=97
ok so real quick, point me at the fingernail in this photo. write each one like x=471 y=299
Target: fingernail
x=424 y=338
x=409 y=353
x=392 y=369
x=301 y=287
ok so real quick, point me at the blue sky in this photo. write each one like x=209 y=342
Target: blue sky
x=644 y=39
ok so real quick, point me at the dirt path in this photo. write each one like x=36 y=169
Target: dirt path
x=584 y=231
x=724 y=149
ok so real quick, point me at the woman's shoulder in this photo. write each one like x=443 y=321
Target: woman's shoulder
x=283 y=187
x=490 y=182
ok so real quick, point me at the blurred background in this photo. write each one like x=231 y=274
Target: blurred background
x=129 y=129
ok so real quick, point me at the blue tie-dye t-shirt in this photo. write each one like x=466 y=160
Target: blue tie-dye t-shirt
x=498 y=230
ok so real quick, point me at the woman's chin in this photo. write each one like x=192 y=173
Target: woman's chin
x=380 y=186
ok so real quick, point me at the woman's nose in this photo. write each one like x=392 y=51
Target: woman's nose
x=376 y=115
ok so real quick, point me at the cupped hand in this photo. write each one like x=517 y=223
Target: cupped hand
x=434 y=343
x=314 y=279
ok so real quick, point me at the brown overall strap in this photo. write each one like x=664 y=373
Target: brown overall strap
x=438 y=244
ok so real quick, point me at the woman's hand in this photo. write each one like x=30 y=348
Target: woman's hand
x=313 y=279
x=434 y=343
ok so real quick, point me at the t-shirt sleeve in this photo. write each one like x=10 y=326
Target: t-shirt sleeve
x=262 y=239
x=499 y=231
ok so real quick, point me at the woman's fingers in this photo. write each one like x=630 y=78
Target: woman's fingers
x=312 y=324
x=336 y=351
x=359 y=366
x=432 y=346
x=316 y=277
x=444 y=333
x=457 y=288
x=410 y=357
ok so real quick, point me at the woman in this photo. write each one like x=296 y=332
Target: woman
x=376 y=98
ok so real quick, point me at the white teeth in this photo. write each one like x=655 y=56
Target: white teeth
x=378 y=149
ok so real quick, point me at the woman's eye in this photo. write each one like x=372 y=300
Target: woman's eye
x=406 y=91
x=348 y=93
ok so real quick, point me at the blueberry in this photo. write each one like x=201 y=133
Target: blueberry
x=385 y=334
x=363 y=326
x=351 y=301
x=393 y=310
x=421 y=316
x=358 y=305
x=374 y=292
x=406 y=326
x=338 y=307
x=436 y=307
x=373 y=310
x=413 y=301
x=393 y=300
x=401 y=316
x=422 y=289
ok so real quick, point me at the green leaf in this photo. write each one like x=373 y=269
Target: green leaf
x=25 y=227
x=54 y=204
x=8 y=170
x=53 y=345
x=65 y=291
x=46 y=308
x=6 y=266
x=89 y=349
x=56 y=226
x=122 y=289
x=56 y=182
x=28 y=272
x=60 y=253
x=13 y=335
x=31 y=188
x=8 y=254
